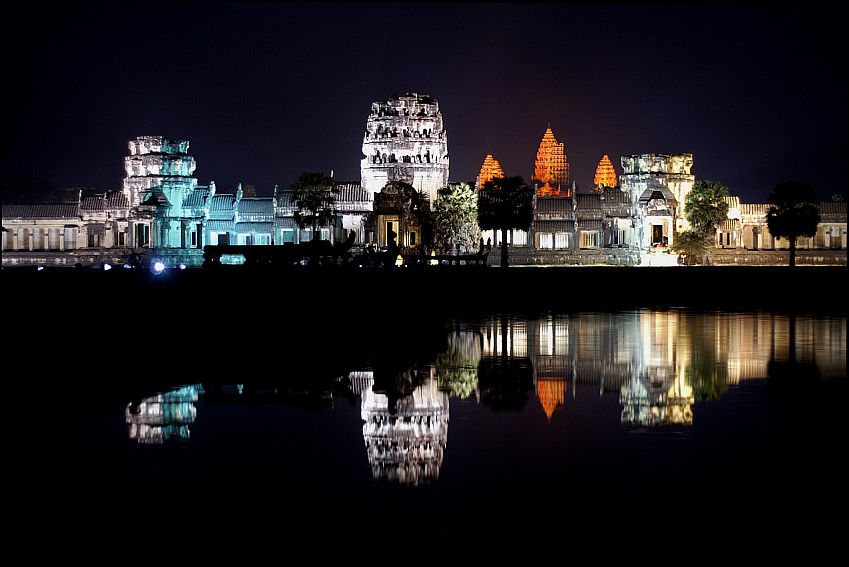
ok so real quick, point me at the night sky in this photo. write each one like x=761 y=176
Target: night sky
x=265 y=91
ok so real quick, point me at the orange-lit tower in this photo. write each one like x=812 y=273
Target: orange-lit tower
x=552 y=168
x=490 y=169
x=551 y=393
x=605 y=174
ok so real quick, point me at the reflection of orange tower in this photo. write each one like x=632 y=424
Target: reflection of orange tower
x=552 y=168
x=490 y=169
x=605 y=174
x=551 y=393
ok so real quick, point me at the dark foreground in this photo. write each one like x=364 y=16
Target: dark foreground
x=339 y=290
x=215 y=320
x=757 y=474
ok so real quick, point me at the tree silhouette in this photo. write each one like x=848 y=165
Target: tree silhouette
x=35 y=190
x=793 y=212
x=505 y=203
x=314 y=195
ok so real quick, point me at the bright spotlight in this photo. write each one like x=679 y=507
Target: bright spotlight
x=157 y=266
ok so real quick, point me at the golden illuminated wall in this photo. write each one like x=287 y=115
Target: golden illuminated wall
x=551 y=168
x=490 y=169
x=605 y=174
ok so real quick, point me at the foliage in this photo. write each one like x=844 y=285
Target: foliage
x=706 y=207
x=691 y=246
x=455 y=218
x=793 y=212
x=35 y=190
x=457 y=367
x=505 y=203
x=314 y=196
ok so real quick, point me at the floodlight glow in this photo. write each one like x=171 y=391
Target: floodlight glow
x=157 y=266
x=182 y=266
x=40 y=268
x=107 y=267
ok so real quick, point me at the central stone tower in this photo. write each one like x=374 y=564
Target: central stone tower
x=405 y=140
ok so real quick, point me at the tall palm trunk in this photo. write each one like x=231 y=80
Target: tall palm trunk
x=792 y=252
x=505 y=261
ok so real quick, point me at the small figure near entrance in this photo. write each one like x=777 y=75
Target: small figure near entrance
x=392 y=250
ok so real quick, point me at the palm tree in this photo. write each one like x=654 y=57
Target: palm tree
x=793 y=212
x=706 y=207
x=314 y=195
x=505 y=203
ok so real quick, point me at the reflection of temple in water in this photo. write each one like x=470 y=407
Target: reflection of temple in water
x=405 y=438
x=163 y=417
x=657 y=360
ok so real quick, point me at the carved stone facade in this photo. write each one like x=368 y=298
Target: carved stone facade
x=551 y=168
x=605 y=174
x=405 y=140
x=658 y=185
x=490 y=169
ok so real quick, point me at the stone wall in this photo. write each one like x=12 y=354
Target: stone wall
x=635 y=257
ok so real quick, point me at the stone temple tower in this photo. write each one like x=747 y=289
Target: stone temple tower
x=156 y=162
x=551 y=168
x=159 y=177
x=405 y=140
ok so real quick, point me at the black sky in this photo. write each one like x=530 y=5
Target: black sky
x=264 y=91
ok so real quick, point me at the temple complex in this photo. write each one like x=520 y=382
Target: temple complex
x=161 y=212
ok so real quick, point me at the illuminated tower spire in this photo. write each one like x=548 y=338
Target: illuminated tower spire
x=551 y=168
x=605 y=174
x=490 y=169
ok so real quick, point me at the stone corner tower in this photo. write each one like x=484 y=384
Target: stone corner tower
x=161 y=165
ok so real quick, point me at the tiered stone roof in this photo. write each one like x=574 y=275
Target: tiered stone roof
x=490 y=169
x=552 y=167
x=605 y=174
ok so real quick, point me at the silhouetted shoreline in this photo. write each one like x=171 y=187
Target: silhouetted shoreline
x=453 y=290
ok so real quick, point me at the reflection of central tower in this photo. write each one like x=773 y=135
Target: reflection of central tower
x=405 y=141
x=405 y=446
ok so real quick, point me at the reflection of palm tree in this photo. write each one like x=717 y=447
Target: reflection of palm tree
x=791 y=372
x=706 y=375
x=457 y=367
x=708 y=379
x=507 y=382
